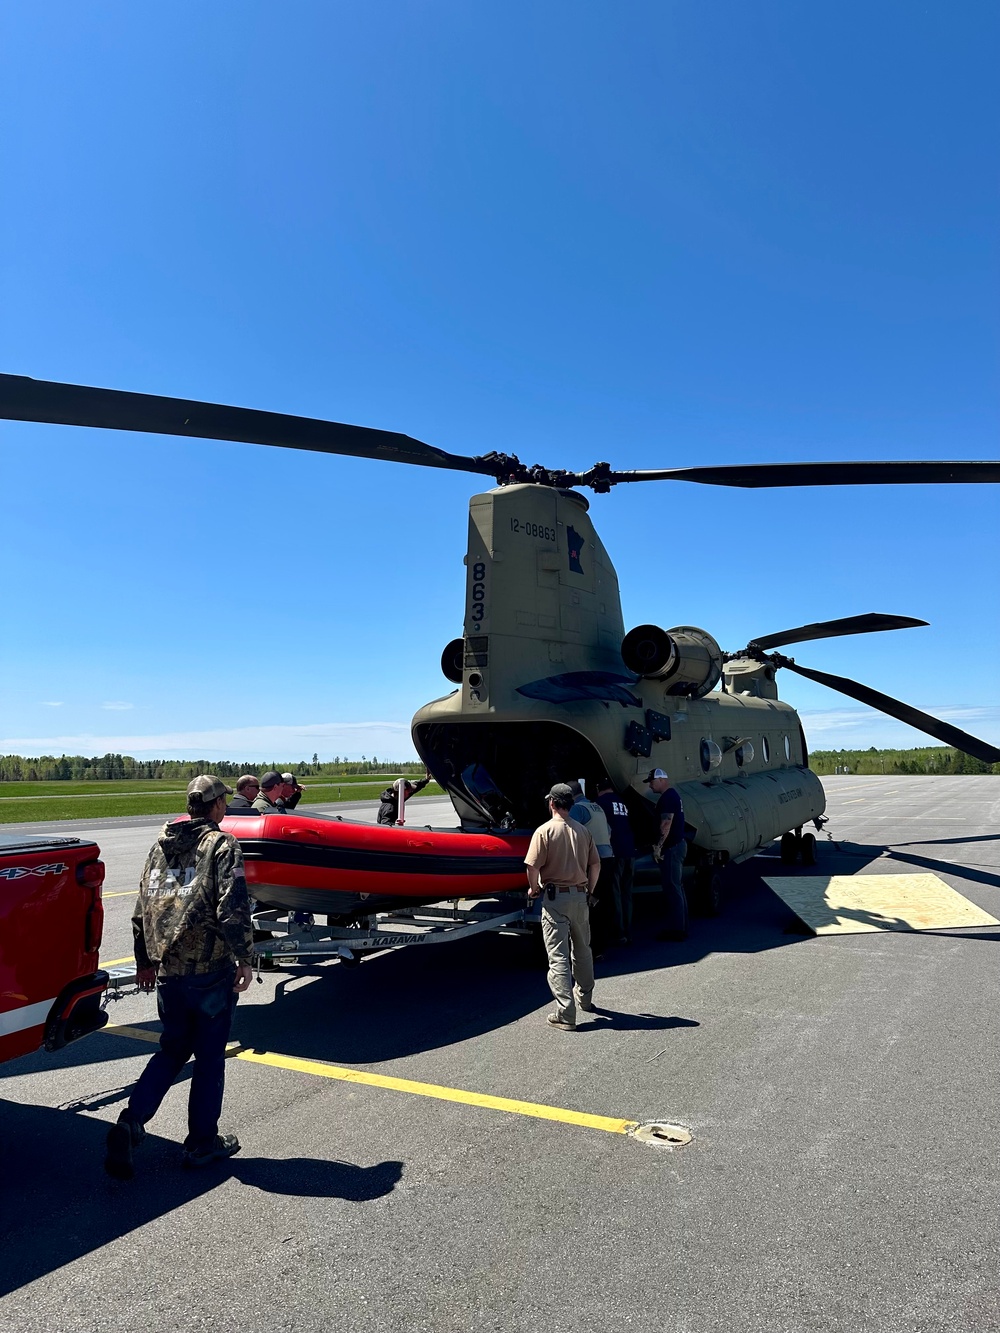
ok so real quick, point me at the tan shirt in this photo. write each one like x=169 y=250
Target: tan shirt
x=562 y=853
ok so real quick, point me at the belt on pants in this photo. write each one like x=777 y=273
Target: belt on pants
x=571 y=888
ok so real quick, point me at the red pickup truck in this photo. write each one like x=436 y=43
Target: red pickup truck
x=51 y=921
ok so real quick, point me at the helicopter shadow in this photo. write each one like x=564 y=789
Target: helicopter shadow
x=404 y=1002
x=52 y=1168
x=848 y=858
x=849 y=852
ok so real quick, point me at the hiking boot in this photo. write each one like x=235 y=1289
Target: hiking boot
x=554 y=1021
x=586 y=1005
x=224 y=1146
x=122 y=1138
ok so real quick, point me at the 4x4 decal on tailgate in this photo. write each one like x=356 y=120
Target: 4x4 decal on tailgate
x=21 y=872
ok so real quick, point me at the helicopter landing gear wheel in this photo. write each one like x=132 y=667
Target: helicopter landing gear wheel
x=789 y=848
x=707 y=890
x=807 y=847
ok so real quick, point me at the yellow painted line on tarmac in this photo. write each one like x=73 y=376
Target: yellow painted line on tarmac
x=116 y=962
x=534 y=1109
x=609 y=1124
x=125 y=893
x=138 y=1034
x=144 y=1034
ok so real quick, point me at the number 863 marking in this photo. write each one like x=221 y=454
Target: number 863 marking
x=478 y=591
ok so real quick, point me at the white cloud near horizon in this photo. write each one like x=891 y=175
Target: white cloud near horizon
x=351 y=739
x=118 y=707
x=52 y=703
x=838 y=728
x=834 y=728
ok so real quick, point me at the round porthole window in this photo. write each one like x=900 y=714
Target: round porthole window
x=711 y=756
x=788 y=748
x=765 y=750
x=744 y=753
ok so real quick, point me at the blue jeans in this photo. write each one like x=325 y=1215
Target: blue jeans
x=197 y=1015
x=675 y=904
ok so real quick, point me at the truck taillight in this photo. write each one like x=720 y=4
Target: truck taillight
x=93 y=930
x=90 y=874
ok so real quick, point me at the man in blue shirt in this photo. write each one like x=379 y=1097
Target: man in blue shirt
x=670 y=850
x=623 y=864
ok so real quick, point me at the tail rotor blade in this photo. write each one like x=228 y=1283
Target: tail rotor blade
x=871 y=623
x=885 y=703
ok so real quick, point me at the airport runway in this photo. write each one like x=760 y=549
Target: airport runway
x=842 y=1093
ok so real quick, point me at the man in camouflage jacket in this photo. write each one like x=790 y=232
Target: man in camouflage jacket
x=194 y=942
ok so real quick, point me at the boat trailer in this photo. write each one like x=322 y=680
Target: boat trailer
x=282 y=937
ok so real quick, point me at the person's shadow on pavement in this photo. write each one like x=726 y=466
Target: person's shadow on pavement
x=58 y=1205
x=614 y=1018
x=318 y=1179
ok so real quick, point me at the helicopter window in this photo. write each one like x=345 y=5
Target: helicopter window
x=744 y=753
x=765 y=750
x=788 y=748
x=711 y=755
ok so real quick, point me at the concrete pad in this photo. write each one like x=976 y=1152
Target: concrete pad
x=853 y=904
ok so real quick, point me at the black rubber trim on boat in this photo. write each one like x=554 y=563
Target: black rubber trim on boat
x=375 y=862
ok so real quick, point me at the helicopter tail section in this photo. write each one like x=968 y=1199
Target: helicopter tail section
x=541 y=596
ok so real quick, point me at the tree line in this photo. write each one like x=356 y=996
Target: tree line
x=925 y=759
x=108 y=767
x=930 y=759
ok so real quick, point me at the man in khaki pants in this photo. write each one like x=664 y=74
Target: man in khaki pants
x=563 y=864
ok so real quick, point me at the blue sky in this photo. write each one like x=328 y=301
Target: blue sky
x=659 y=234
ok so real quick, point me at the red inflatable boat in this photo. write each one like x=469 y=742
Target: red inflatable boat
x=343 y=868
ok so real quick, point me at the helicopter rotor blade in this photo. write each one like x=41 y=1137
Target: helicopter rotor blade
x=24 y=399
x=872 y=623
x=885 y=703
x=759 y=475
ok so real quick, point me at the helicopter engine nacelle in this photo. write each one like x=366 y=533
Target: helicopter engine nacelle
x=685 y=658
x=453 y=661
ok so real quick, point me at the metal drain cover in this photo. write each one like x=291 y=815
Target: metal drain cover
x=662 y=1135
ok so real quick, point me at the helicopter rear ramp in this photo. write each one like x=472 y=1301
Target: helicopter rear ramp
x=854 y=904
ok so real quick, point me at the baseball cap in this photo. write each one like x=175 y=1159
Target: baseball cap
x=271 y=780
x=562 y=791
x=288 y=777
x=208 y=788
x=655 y=773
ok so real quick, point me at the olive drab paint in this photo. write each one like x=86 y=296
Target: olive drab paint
x=545 y=692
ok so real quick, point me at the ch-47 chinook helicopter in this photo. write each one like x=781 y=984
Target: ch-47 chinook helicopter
x=548 y=683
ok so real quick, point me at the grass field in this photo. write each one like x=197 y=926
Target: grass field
x=28 y=802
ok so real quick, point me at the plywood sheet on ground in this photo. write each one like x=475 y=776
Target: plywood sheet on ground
x=850 y=904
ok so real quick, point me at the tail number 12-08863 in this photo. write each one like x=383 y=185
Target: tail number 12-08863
x=533 y=530
x=478 y=608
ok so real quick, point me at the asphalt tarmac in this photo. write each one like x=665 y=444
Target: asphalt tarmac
x=841 y=1093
